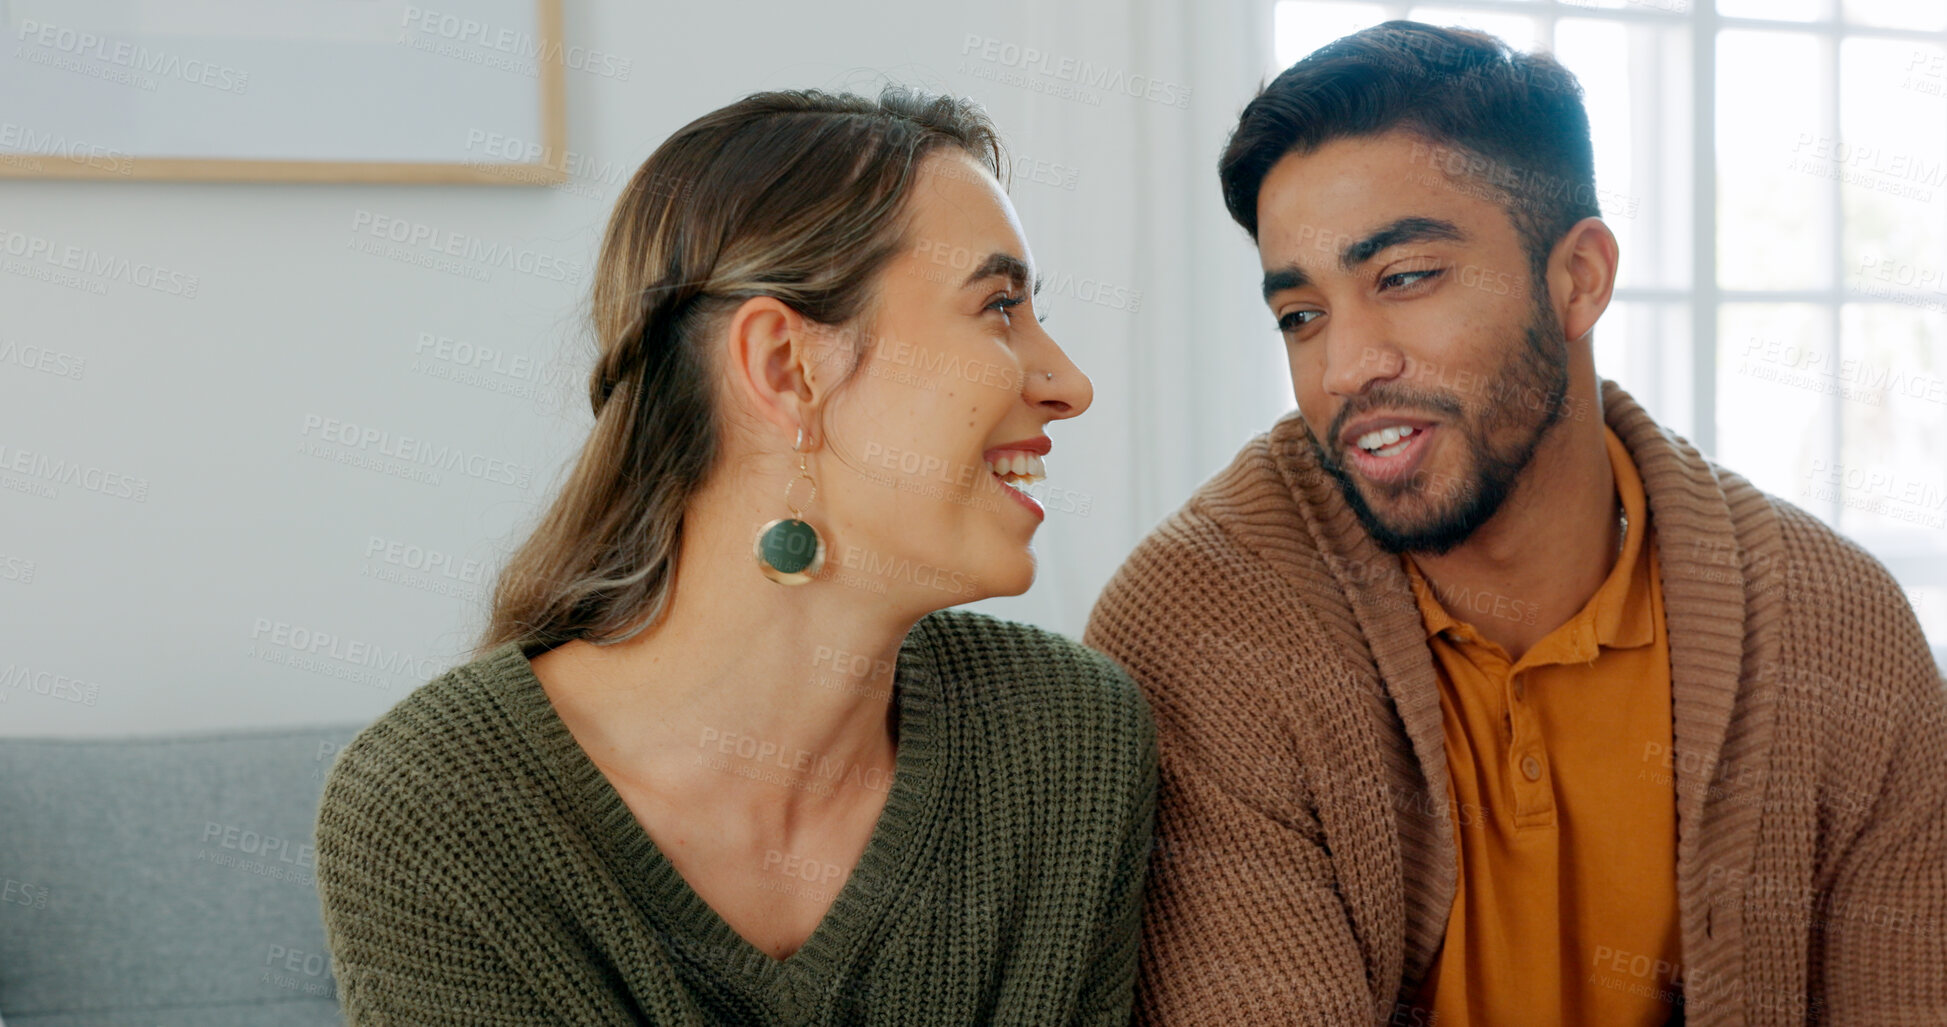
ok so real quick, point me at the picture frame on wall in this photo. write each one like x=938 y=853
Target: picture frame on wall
x=464 y=91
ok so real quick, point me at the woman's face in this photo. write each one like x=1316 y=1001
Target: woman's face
x=923 y=448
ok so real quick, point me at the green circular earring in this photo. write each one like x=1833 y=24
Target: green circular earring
x=788 y=550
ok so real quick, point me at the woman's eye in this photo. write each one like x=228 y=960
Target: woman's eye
x=1005 y=303
x=1298 y=319
x=1406 y=278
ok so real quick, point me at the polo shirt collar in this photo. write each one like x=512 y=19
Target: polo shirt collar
x=1617 y=616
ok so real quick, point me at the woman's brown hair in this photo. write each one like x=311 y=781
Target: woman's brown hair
x=798 y=195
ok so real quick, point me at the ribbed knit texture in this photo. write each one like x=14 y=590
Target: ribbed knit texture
x=476 y=868
x=1305 y=854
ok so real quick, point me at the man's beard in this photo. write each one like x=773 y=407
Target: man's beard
x=1527 y=399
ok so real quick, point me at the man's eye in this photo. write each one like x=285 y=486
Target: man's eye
x=1298 y=319
x=1406 y=278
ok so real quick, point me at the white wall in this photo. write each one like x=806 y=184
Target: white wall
x=163 y=611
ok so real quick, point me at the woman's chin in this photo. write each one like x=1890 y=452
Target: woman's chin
x=1011 y=577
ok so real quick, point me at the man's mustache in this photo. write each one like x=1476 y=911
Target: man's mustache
x=1435 y=405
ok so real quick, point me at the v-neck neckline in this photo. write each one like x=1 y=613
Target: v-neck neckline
x=881 y=874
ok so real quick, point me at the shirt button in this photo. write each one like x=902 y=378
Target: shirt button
x=1531 y=767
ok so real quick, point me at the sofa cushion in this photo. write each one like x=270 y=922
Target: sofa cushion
x=164 y=880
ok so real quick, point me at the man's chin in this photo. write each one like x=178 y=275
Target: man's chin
x=1401 y=518
x=1416 y=537
x=1404 y=517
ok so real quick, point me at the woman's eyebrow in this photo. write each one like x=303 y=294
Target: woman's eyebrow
x=1004 y=265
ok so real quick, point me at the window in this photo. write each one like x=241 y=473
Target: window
x=1776 y=174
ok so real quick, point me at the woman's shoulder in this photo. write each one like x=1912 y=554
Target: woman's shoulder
x=1045 y=714
x=445 y=732
x=1037 y=672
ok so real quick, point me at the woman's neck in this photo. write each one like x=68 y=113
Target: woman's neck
x=783 y=682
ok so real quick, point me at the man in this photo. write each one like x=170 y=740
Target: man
x=1482 y=698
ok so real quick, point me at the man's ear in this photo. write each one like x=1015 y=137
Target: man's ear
x=1582 y=275
x=772 y=361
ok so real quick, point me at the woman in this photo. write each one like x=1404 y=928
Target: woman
x=724 y=756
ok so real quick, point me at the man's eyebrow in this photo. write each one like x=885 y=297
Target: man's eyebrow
x=1290 y=276
x=1002 y=265
x=1407 y=229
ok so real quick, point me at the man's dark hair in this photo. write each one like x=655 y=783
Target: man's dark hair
x=1507 y=123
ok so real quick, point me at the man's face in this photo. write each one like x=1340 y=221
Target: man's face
x=1422 y=357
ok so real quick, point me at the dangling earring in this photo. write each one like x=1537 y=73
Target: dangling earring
x=789 y=551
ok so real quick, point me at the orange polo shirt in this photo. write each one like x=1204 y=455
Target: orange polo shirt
x=1564 y=813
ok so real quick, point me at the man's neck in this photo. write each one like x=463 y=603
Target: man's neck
x=1549 y=547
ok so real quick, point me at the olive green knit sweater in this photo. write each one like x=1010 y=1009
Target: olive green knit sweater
x=475 y=868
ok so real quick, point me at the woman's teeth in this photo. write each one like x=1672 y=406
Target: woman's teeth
x=1385 y=441
x=1018 y=469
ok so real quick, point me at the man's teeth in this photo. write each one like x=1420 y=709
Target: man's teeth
x=1018 y=469
x=1385 y=441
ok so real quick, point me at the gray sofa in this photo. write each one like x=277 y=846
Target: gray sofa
x=164 y=881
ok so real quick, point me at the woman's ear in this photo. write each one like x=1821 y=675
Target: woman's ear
x=772 y=362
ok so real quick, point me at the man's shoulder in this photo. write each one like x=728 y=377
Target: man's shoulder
x=1791 y=554
x=1228 y=537
x=1852 y=627
x=1780 y=551
x=1825 y=566
x=1232 y=609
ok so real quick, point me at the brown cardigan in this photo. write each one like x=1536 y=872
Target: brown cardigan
x=1304 y=860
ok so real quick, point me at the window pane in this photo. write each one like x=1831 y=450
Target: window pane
x=1890 y=159
x=1774 y=414
x=1635 y=78
x=1922 y=71
x=1778 y=10
x=1645 y=348
x=1518 y=31
x=1892 y=478
x=1900 y=14
x=1669 y=6
x=1302 y=26
x=1773 y=218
